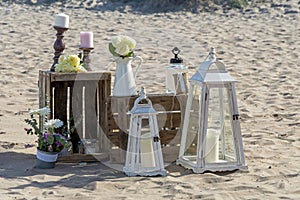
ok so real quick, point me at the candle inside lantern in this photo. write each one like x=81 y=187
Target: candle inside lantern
x=147 y=153
x=86 y=40
x=212 y=146
x=61 y=20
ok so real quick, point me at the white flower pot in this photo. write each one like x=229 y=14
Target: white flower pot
x=45 y=160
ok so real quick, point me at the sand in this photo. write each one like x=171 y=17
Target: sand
x=259 y=46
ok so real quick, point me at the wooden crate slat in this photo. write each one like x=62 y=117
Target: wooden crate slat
x=60 y=101
x=159 y=102
x=87 y=76
x=169 y=120
x=169 y=136
x=78 y=158
x=103 y=94
x=91 y=113
x=165 y=120
x=76 y=112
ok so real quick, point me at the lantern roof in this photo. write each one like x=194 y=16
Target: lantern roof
x=212 y=71
x=140 y=108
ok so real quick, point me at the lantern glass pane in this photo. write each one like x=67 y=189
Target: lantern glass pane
x=219 y=138
x=193 y=125
x=147 y=159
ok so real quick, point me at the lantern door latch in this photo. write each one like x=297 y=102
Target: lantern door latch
x=235 y=116
x=156 y=139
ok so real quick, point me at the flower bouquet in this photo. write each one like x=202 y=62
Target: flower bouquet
x=69 y=63
x=52 y=136
x=122 y=46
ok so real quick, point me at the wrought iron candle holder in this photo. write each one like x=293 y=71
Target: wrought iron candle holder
x=86 y=58
x=59 y=45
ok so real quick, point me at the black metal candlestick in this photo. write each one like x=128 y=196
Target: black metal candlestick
x=59 y=45
x=86 y=57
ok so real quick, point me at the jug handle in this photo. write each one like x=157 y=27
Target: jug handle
x=138 y=66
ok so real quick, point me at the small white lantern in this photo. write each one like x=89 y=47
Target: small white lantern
x=211 y=135
x=144 y=155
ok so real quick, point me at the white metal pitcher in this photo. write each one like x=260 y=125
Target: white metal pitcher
x=124 y=84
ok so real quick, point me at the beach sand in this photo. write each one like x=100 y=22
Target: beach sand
x=259 y=46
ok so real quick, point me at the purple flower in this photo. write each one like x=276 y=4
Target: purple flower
x=58 y=144
x=45 y=136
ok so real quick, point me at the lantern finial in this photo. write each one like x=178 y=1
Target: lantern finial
x=142 y=93
x=212 y=54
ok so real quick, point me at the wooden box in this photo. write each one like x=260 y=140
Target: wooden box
x=78 y=99
x=84 y=100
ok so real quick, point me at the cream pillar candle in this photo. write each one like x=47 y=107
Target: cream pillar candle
x=147 y=153
x=61 y=20
x=212 y=146
x=86 y=40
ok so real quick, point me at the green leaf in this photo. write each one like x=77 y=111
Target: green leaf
x=112 y=49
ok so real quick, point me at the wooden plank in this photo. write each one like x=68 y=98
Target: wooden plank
x=104 y=91
x=165 y=120
x=79 y=158
x=49 y=95
x=170 y=120
x=60 y=101
x=76 y=113
x=90 y=112
x=169 y=136
x=42 y=95
x=162 y=102
x=86 y=76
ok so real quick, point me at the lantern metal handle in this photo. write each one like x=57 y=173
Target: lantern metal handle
x=142 y=96
x=212 y=59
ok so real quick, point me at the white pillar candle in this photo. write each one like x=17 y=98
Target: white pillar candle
x=212 y=146
x=61 y=20
x=86 y=40
x=147 y=153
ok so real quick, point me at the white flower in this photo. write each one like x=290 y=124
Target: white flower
x=53 y=123
x=123 y=45
x=42 y=111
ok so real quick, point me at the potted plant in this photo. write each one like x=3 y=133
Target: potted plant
x=52 y=137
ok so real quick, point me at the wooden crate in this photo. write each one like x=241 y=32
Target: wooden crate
x=86 y=97
x=170 y=110
x=77 y=98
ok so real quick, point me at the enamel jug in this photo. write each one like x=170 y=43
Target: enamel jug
x=124 y=84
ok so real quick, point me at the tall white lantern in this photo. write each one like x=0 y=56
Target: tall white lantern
x=144 y=154
x=211 y=135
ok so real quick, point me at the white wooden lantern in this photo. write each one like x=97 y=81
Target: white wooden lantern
x=144 y=155
x=211 y=136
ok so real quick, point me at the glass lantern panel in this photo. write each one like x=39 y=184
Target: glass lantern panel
x=219 y=138
x=146 y=145
x=191 y=143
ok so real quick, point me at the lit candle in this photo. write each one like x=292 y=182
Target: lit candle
x=147 y=153
x=86 y=40
x=212 y=146
x=61 y=20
